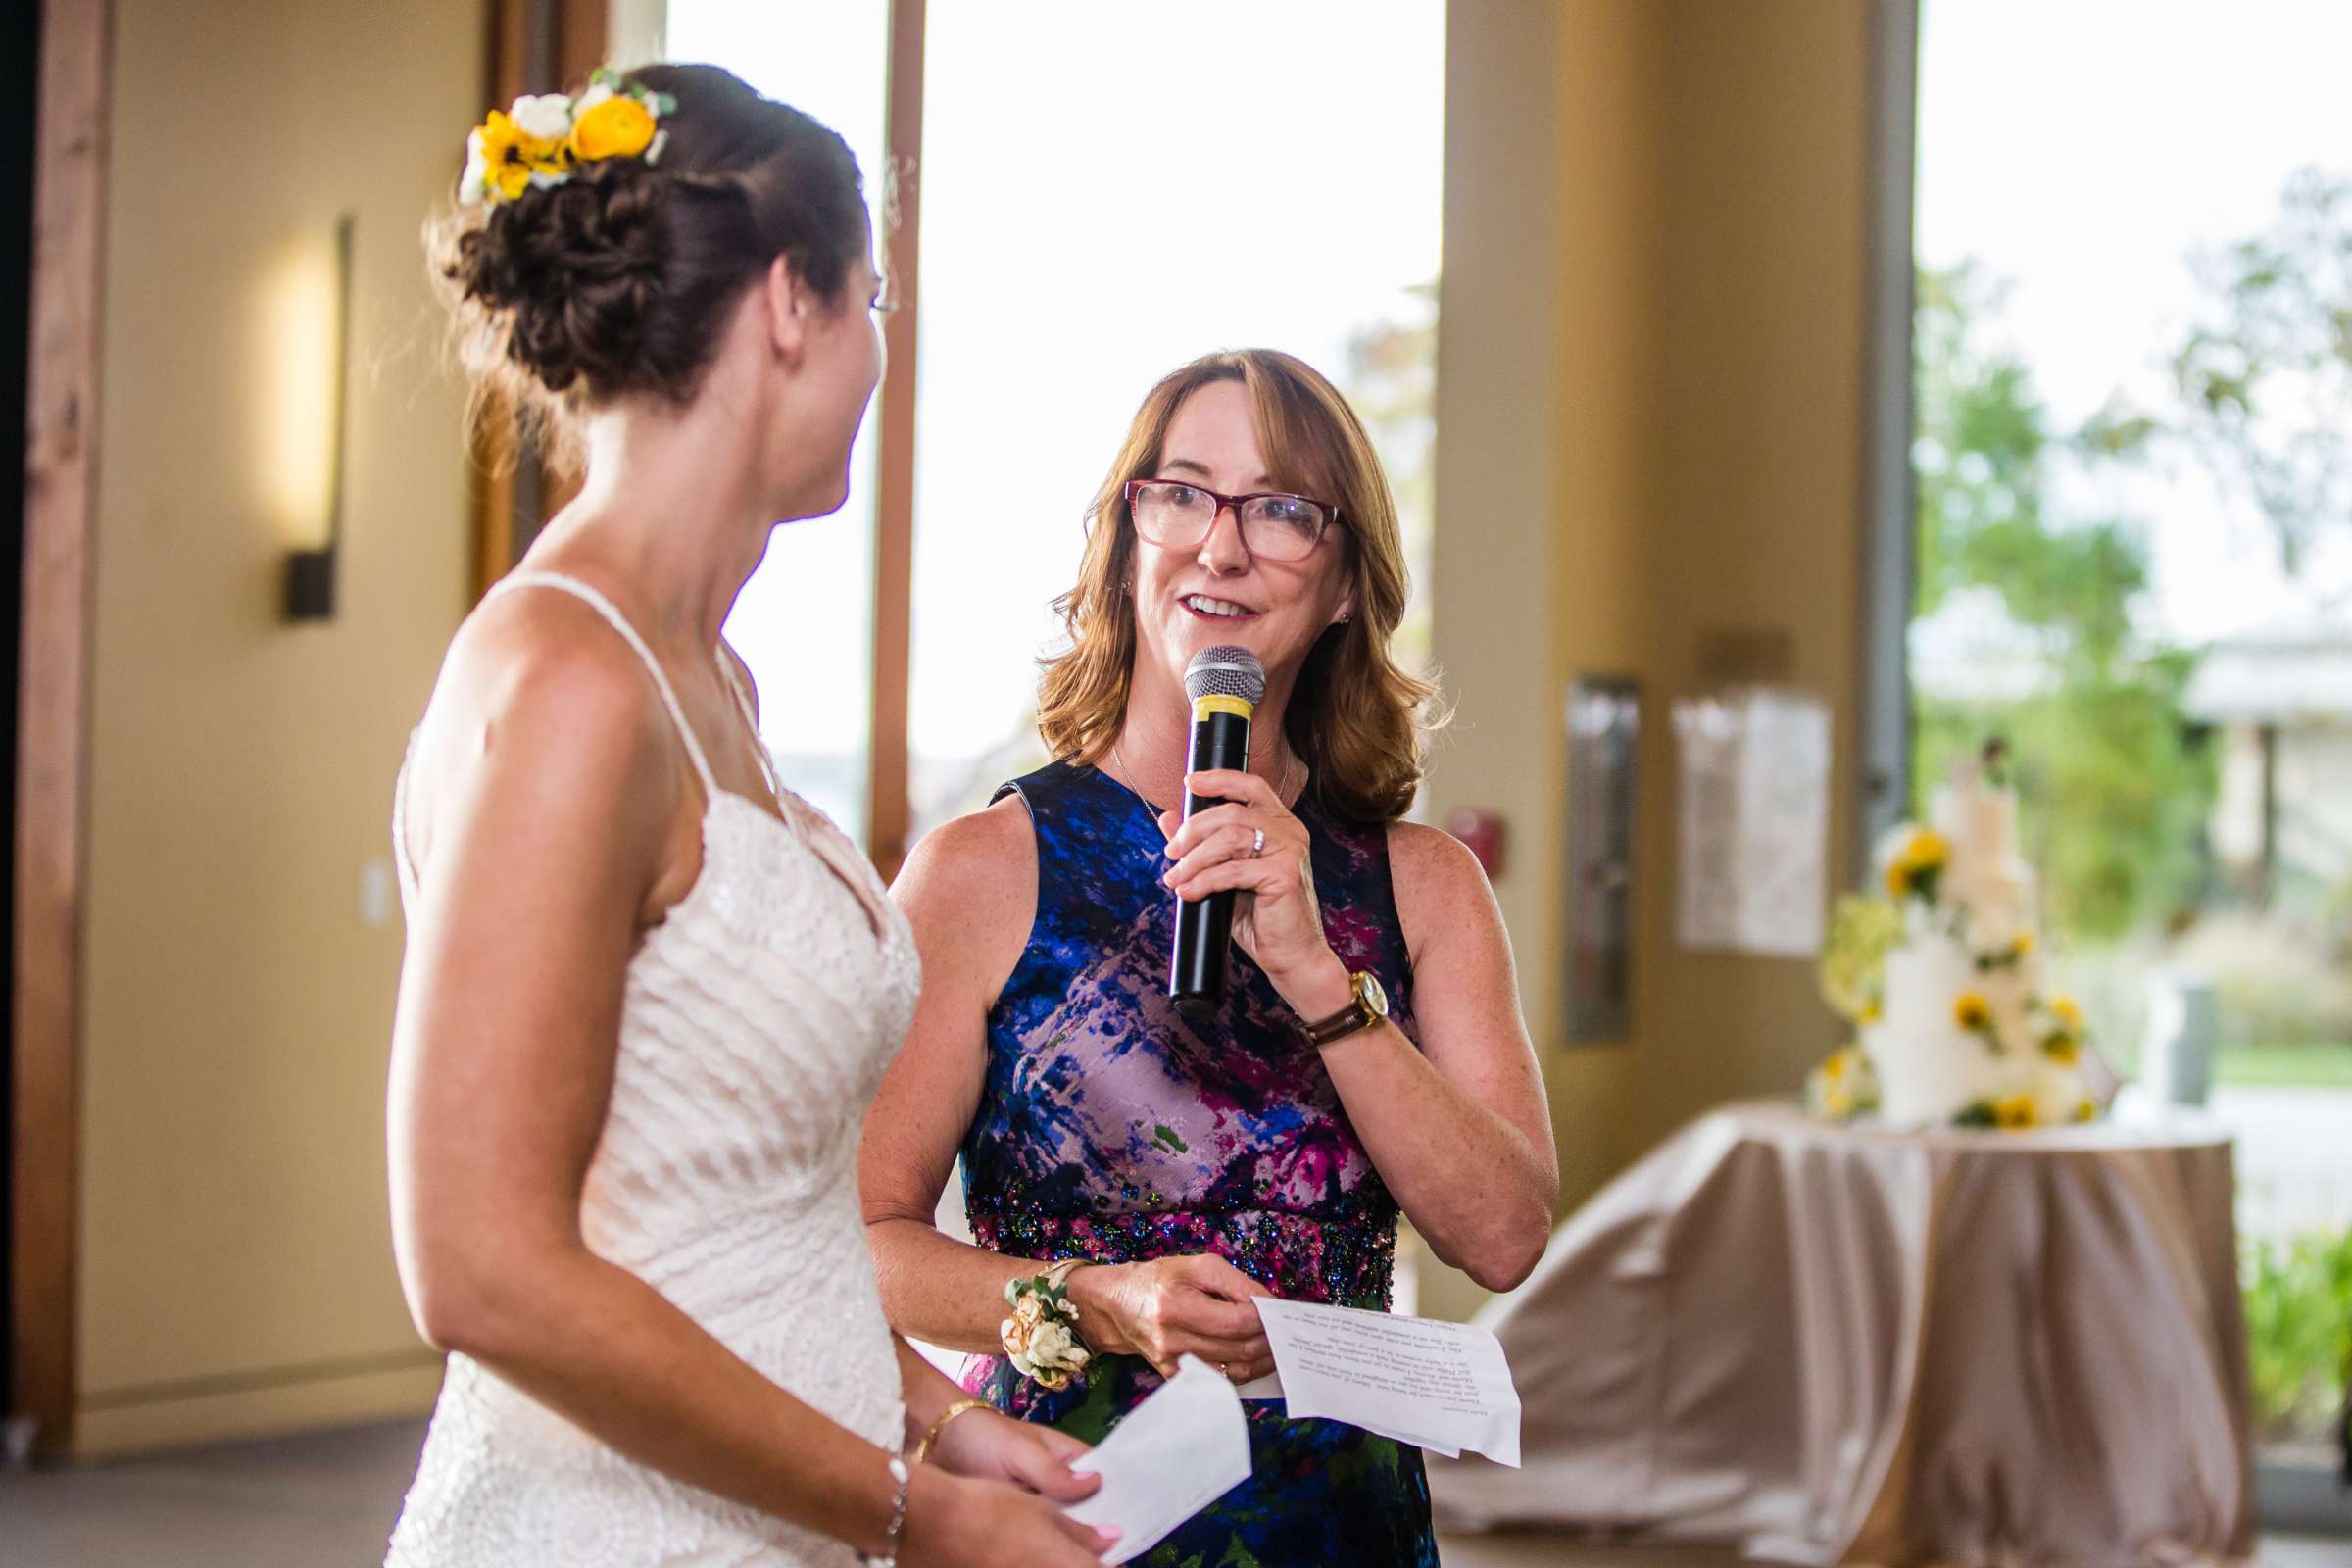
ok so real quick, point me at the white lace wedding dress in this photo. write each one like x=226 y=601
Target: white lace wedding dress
x=757 y=1022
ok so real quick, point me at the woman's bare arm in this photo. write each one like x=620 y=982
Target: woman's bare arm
x=970 y=892
x=1459 y=1126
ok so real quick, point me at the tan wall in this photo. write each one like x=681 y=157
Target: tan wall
x=1760 y=456
x=1649 y=415
x=236 y=1265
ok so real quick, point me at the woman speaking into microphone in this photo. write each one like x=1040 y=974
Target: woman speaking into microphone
x=1135 y=1174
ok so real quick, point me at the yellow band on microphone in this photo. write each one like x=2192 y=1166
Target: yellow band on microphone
x=1220 y=703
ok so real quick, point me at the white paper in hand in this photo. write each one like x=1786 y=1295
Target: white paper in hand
x=1444 y=1387
x=1175 y=1454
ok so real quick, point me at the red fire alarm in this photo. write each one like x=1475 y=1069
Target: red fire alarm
x=1482 y=830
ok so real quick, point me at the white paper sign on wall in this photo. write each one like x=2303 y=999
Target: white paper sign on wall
x=1753 y=821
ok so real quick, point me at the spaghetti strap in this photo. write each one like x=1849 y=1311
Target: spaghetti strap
x=620 y=624
x=733 y=679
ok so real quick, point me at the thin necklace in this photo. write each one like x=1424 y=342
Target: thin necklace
x=1281 y=788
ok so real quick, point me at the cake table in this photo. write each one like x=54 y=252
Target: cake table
x=1837 y=1345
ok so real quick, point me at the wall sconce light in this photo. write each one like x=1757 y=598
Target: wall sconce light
x=310 y=426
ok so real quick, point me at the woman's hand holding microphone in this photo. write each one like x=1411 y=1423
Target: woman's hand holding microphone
x=1252 y=845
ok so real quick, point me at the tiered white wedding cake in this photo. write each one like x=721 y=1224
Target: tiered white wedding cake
x=1943 y=978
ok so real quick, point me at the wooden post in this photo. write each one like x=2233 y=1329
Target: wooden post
x=53 y=725
x=535 y=46
x=889 y=813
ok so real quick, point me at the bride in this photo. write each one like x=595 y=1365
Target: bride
x=648 y=991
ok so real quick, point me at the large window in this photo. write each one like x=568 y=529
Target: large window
x=1102 y=196
x=805 y=623
x=2135 y=468
x=1107 y=196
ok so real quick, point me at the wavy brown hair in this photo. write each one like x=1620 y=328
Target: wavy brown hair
x=1357 y=717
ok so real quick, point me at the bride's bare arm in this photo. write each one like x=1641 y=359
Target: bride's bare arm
x=543 y=854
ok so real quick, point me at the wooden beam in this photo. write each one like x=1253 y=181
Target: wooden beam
x=53 y=725
x=535 y=46
x=580 y=42
x=889 y=812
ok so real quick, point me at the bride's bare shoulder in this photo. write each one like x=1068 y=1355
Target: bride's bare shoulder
x=538 y=694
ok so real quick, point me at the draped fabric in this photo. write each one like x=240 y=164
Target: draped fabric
x=1836 y=1345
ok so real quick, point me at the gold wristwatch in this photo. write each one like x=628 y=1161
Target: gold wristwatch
x=1368 y=1005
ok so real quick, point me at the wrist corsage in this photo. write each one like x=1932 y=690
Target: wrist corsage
x=1041 y=1337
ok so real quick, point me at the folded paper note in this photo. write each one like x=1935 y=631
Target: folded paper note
x=1444 y=1387
x=1175 y=1454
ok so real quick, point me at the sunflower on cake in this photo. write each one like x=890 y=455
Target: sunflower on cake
x=1941 y=977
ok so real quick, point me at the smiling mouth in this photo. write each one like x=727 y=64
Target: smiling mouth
x=1216 y=609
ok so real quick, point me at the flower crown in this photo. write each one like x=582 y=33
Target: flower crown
x=544 y=138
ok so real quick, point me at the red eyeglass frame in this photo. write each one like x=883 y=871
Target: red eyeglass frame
x=1331 y=513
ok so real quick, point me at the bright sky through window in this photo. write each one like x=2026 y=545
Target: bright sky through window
x=1107 y=191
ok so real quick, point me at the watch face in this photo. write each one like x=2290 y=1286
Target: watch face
x=1368 y=992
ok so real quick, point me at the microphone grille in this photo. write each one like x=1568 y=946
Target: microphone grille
x=1225 y=671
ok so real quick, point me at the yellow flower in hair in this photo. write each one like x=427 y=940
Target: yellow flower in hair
x=619 y=126
x=501 y=157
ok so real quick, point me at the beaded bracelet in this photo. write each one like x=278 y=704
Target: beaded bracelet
x=888 y=1557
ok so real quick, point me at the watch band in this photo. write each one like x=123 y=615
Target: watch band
x=1360 y=1013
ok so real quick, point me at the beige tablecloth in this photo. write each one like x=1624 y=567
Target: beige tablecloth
x=1835 y=1345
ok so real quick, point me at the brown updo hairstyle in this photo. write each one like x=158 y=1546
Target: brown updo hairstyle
x=1359 y=720
x=620 y=281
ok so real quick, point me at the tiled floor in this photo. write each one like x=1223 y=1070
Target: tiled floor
x=322 y=1501
x=327 y=1501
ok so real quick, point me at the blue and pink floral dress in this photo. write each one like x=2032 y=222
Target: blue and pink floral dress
x=1109 y=1128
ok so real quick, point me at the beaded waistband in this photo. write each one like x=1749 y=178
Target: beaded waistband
x=1347 y=1263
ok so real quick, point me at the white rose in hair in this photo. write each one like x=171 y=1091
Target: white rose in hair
x=473 y=186
x=546 y=115
x=592 y=97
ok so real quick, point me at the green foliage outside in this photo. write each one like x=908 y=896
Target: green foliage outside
x=2111 y=788
x=2262 y=378
x=2114 y=787
x=2290 y=1065
x=2299 y=1332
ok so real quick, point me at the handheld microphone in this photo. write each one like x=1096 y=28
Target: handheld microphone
x=1225 y=685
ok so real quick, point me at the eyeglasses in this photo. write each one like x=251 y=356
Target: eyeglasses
x=1274 y=526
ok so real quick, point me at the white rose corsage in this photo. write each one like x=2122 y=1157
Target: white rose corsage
x=1041 y=1337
